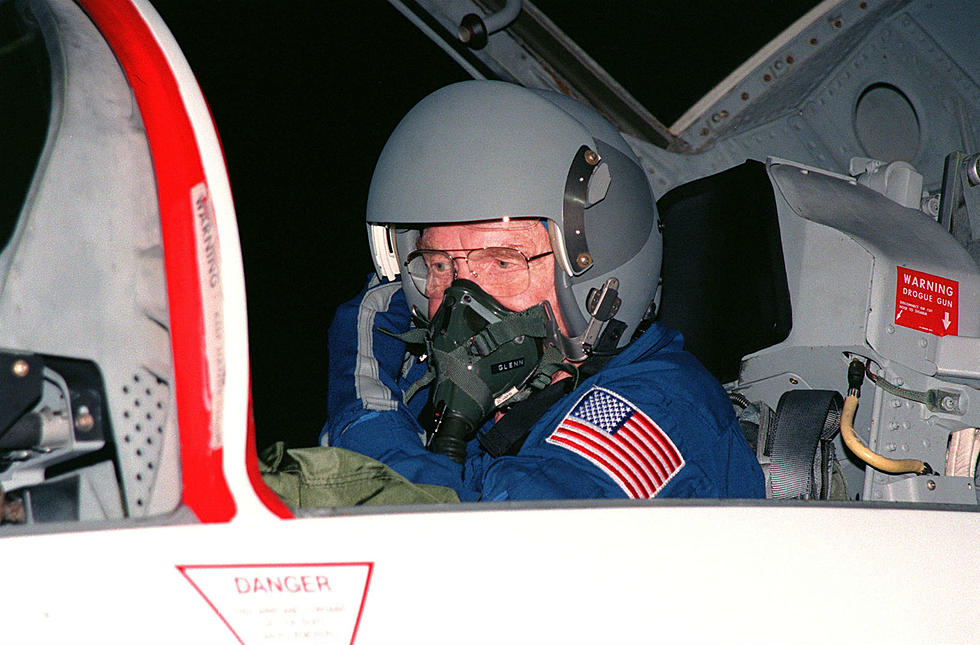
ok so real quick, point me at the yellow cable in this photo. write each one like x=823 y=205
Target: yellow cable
x=873 y=459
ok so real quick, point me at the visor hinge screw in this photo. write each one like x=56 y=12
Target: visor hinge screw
x=84 y=421
x=591 y=157
x=584 y=260
x=20 y=368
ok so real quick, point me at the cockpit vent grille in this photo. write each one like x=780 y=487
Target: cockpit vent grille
x=141 y=436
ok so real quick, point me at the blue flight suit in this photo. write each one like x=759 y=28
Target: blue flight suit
x=651 y=422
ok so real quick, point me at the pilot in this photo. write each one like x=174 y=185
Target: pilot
x=506 y=347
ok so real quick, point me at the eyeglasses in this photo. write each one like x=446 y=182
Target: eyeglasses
x=501 y=271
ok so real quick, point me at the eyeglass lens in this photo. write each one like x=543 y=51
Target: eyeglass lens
x=500 y=271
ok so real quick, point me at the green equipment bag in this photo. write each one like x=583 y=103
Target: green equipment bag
x=320 y=477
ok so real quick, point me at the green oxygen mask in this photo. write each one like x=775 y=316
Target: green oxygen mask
x=482 y=357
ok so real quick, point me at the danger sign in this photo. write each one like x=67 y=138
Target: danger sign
x=265 y=604
x=926 y=302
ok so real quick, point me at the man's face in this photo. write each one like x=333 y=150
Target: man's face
x=527 y=236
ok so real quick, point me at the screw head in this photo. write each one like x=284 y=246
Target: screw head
x=591 y=157
x=20 y=368
x=84 y=421
x=973 y=169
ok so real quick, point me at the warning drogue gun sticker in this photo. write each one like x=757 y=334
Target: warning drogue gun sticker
x=926 y=302
x=285 y=603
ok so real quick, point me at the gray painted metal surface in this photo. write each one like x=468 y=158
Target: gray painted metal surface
x=83 y=275
x=892 y=82
x=844 y=247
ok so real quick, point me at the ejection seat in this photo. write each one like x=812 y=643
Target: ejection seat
x=725 y=289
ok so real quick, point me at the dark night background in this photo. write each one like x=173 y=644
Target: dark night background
x=304 y=95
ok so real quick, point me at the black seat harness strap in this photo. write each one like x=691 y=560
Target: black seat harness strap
x=806 y=420
x=507 y=435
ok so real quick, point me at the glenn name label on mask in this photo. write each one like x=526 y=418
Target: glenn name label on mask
x=497 y=368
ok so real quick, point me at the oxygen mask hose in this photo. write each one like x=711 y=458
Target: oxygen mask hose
x=452 y=431
x=855 y=376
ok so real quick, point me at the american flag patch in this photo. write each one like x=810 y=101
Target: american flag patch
x=620 y=439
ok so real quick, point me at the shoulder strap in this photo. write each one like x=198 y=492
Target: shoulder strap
x=507 y=435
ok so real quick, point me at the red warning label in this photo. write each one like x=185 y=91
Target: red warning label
x=926 y=302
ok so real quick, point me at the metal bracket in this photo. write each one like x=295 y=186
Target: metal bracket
x=576 y=246
x=959 y=205
x=602 y=305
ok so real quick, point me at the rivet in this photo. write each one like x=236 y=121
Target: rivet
x=923 y=342
x=591 y=157
x=767 y=77
x=745 y=96
x=794 y=381
x=790 y=59
x=890 y=329
x=20 y=368
x=931 y=484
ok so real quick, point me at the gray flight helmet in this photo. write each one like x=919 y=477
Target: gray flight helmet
x=484 y=150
